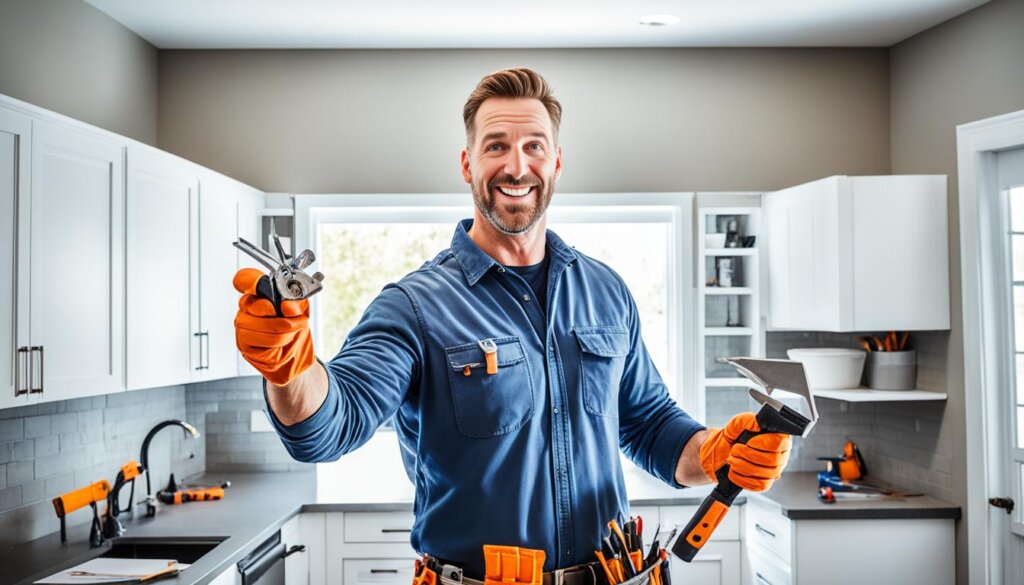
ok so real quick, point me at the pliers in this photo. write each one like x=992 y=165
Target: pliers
x=287 y=280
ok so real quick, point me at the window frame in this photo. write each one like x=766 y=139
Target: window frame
x=674 y=208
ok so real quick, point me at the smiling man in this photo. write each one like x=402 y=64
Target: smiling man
x=513 y=364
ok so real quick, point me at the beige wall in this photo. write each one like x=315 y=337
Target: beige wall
x=66 y=56
x=967 y=69
x=635 y=120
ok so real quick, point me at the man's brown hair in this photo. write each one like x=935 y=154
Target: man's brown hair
x=518 y=82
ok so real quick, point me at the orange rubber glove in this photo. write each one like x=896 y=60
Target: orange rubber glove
x=752 y=466
x=281 y=348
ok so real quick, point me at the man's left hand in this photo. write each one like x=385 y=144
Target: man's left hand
x=752 y=466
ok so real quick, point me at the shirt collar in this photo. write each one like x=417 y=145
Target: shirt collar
x=475 y=262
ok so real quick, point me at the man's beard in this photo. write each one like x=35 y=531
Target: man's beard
x=514 y=219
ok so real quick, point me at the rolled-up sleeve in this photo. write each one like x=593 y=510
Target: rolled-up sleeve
x=652 y=428
x=367 y=381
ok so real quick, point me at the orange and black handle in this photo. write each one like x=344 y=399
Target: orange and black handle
x=185 y=496
x=80 y=498
x=784 y=420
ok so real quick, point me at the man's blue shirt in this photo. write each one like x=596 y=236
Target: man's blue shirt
x=527 y=456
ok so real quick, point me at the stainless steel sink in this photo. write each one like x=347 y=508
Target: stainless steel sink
x=182 y=549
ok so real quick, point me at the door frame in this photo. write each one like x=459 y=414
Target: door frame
x=977 y=145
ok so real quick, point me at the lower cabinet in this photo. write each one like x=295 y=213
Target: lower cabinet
x=718 y=562
x=780 y=551
x=369 y=548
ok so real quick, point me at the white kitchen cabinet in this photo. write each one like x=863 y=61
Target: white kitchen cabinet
x=15 y=155
x=297 y=532
x=859 y=254
x=250 y=204
x=780 y=551
x=370 y=548
x=77 y=262
x=162 y=197
x=719 y=560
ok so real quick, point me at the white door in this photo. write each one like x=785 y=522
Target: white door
x=15 y=144
x=77 y=265
x=162 y=190
x=218 y=262
x=1008 y=528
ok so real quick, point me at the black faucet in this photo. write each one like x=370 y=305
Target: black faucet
x=144 y=457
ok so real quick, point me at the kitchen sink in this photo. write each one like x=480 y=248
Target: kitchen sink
x=184 y=549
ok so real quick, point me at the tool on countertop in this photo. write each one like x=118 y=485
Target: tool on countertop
x=844 y=475
x=773 y=417
x=891 y=341
x=287 y=280
x=110 y=525
x=174 y=494
x=74 y=500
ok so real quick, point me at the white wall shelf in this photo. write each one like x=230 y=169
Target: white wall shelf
x=726 y=382
x=729 y=290
x=730 y=252
x=871 y=395
x=726 y=331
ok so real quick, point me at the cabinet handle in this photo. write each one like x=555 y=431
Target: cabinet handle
x=761 y=579
x=201 y=335
x=22 y=359
x=377 y=571
x=206 y=335
x=764 y=530
x=393 y=530
x=42 y=371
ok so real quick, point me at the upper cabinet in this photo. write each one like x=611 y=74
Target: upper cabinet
x=15 y=155
x=77 y=261
x=120 y=258
x=859 y=254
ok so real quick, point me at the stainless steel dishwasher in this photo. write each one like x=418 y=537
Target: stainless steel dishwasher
x=265 y=565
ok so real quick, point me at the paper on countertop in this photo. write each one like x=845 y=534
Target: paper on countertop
x=110 y=570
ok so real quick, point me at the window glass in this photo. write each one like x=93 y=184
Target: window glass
x=638 y=252
x=1017 y=209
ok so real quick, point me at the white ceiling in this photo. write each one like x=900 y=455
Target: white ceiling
x=318 y=24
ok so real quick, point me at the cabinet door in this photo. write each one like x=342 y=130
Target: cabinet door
x=378 y=571
x=15 y=144
x=162 y=190
x=218 y=262
x=717 y=563
x=249 y=206
x=77 y=262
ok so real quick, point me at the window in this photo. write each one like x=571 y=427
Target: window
x=363 y=242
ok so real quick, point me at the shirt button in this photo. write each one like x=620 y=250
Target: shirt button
x=501 y=269
x=526 y=298
x=556 y=411
x=568 y=553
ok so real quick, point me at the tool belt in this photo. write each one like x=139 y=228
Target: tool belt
x=519 y=566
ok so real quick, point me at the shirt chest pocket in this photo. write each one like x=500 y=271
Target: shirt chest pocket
x=487 y=405
x=603 y=351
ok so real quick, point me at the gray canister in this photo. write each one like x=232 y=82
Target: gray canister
x=891 y=370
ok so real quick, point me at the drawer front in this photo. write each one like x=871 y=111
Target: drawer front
x=378 y=571
x=679 y=516
x=766 y=568
x=768 y=528
x=378 y=526
x=717 y=563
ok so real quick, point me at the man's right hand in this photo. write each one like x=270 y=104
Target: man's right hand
x=281 y=348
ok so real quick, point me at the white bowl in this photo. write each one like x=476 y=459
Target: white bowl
x=714 y=241
x=829 y=368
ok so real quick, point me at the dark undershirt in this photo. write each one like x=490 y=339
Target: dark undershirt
x=537 y=277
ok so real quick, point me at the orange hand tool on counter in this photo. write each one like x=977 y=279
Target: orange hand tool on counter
x=80 y=498
x=194 y=495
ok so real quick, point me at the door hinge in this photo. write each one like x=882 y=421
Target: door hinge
x=1004 y=503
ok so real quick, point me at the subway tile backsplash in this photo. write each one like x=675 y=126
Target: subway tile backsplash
x=52 y=448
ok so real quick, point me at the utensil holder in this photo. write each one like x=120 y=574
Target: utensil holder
x=891 y=370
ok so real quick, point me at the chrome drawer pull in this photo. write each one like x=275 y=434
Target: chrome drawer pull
x=22 y=359
x=393 y=530
x=764 y=530
x=376 y=571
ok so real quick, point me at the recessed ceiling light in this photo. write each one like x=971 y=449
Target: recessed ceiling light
x=659 y=20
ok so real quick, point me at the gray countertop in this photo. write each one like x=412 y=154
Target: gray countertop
x=796 y=496
x=257 y=505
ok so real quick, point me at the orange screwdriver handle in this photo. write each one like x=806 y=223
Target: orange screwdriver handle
x=716 y=505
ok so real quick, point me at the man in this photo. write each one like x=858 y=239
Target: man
x=514 y=363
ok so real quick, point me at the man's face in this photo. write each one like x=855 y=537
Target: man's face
x=512 y=163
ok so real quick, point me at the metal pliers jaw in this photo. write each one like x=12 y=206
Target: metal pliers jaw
x=287 y=279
